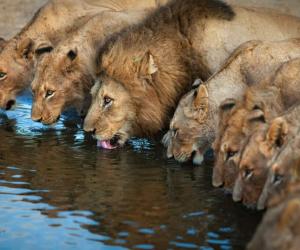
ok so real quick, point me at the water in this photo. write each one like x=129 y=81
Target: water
x=59 y=191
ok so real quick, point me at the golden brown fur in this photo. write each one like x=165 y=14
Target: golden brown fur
x=284 y=169
x=251 y=63
x=49 y=26
x=69 y=70
x=261 y=104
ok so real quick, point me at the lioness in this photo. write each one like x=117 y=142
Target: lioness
x=283 y=169
x=196 y=119
x=65 y=76
x=280 y=227
x=155 y=62
x=49 y=26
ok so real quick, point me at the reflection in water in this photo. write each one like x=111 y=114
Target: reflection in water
x=58 y=191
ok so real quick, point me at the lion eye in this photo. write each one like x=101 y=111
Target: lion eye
x=230 y=154
x=248 y=173
x=107 y=101
x=175 y=132
x=277 y=179
x=2 y=75
x=49 y=93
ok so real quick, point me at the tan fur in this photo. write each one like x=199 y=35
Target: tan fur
x=263 y=144
x=280 y=227
x=49 y=26
x=283 y=167
x=72 y=78
x=251 y=63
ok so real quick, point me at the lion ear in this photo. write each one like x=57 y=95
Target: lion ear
x=2 y=43
x=25 y=48
x=197 y=83
x=67 y=62
x=201 y=97
x=42 y=48
x=148 y=65
x=277 y=132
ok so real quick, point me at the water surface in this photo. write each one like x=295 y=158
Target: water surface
x=59 y=191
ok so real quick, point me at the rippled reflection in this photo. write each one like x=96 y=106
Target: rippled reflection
x=59 y=191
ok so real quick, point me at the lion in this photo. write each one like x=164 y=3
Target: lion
x=284 y=167
x=264 y=144
x=251 y=63
x=157 y=60
x=280 y=227
x=50 y=25
x=262 y=102
x=65 y=76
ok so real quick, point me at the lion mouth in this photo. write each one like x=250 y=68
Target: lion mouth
x=110 y=144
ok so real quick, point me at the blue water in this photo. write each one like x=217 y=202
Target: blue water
x=59 y=191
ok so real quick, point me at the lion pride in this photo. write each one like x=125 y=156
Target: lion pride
x=262 y=103
x=65 y=76
x=155 y=62
x=196 y=117
x=49 y=26
x=268 y=140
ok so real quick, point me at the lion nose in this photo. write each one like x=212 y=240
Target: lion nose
x=37 y=119
x=88 y=128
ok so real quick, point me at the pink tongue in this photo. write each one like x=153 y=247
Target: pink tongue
x=105 y=145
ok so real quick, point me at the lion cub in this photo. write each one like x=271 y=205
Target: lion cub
x=261 y=104
x=284 y=168
x=194 y=125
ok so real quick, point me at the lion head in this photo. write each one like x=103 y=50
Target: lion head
x=235 y=128
x=189 y=133
x=17 y=68
x=228 y=154
x=111 y=115
x=62 y=79
x=263 y=144
x=283 y=169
